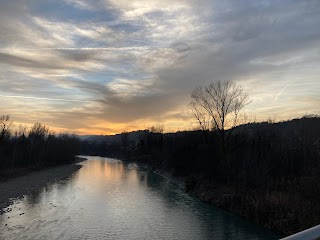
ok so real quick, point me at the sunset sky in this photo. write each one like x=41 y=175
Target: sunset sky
x=105 y=66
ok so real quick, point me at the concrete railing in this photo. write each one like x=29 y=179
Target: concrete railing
x=309 y=234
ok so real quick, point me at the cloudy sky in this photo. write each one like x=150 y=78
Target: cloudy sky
x=105 y=66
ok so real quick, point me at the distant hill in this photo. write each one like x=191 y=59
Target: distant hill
x=309 y=123
x=132 y=136
x=93 y=138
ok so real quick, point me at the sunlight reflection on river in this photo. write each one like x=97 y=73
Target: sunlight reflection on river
x=109 y=199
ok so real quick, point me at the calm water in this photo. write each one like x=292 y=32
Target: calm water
x=109 y=199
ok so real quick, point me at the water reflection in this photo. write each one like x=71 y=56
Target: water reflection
x=108 y=199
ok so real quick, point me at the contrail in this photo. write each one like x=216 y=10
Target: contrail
x=102 y=48
x=84 y=48
x=43 y=98
x=279 y=93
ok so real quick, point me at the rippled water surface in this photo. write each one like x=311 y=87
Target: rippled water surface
x=109 y=199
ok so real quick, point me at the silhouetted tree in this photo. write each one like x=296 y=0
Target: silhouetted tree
x=38 y=135
x=38 y=132
x=155 y=136
x=5 y=124
x=158 y=128
x=218 y=105
x=39 y=147
x=202 y=117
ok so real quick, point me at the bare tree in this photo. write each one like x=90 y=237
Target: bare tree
x=155 y=136
x=158 y=128
x=247 y=118
x=21 y=131
x=5 y=124
x=218 y=105
x=202 y=117
x=38 y=132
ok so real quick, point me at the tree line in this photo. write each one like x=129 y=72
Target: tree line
x=35 y=147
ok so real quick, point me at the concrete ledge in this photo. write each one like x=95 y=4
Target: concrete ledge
x=309 y=234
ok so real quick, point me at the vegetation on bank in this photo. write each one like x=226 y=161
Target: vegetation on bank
x=268 y=172
x=37 y=147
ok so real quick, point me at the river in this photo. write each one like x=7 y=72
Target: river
x=110 y=199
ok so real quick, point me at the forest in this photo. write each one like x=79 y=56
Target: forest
x=34 y=148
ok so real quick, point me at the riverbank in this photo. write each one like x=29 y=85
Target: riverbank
x=283 y=211
x=285 y=207
x=18 y=186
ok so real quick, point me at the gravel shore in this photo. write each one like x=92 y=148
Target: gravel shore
x=26 y=184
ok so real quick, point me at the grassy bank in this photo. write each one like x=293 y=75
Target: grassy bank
x=287 y=208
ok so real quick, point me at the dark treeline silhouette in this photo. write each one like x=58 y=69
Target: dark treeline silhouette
x=256 y=151
x=268 y=172
x=34 y=148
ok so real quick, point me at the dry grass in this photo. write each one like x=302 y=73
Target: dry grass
x=285 y=209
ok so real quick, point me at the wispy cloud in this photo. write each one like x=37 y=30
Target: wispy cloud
x=43 y=98
x=130 y=48
x=136 y=61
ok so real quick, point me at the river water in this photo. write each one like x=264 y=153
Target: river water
x=110 y=199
